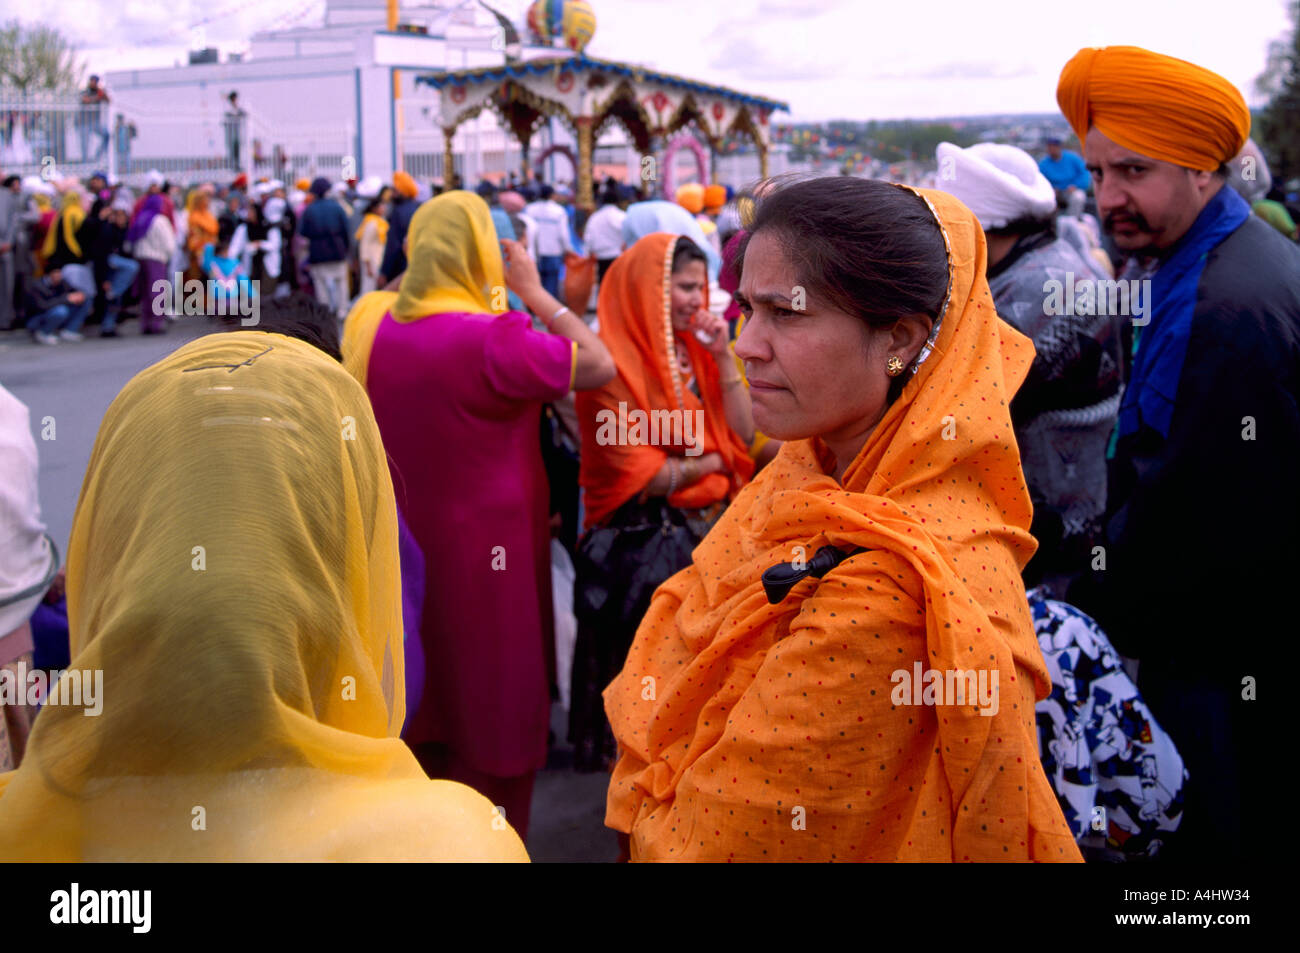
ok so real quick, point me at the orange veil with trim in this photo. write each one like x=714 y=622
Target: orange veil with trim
x=636 y=326
x=203 y=225
x=749 y=731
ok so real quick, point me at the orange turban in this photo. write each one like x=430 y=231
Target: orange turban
x=405 y=185
x=715 y=196
x=691 y=197
x=1156 y=105
x=302 y=185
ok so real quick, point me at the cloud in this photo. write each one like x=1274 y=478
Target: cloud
x=798 y=8
x=752 y=63
x=973 y=70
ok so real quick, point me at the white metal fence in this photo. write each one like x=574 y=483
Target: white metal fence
x=52 y=134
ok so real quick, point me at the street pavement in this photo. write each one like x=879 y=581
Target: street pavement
x=67 y=389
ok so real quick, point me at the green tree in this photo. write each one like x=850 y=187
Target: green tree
x=37 y=57
x=1278 y=133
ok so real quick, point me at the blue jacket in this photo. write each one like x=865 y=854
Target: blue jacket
x=1066 y=171
x=325 y=227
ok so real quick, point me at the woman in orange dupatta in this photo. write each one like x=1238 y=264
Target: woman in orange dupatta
x=828 y=724
x=202 y=231
x=664 y=446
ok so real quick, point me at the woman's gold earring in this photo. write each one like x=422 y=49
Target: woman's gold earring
x=893 y=366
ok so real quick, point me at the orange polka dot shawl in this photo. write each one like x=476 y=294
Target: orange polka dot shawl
x=749 y=731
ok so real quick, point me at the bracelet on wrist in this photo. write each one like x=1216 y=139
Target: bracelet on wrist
x=556 y=316
x=672 y=476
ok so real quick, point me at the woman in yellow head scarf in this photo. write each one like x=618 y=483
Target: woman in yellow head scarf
x=457 y=388
x=780 y=699
x=61 y=246
x=371 y=235
x=233 y=600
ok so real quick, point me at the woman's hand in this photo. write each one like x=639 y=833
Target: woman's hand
x=708 y=325
x=520 y=270
x=709 y=463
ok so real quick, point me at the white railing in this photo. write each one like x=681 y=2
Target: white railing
x=53 y=135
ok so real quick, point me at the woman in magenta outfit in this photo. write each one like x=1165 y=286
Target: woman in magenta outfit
x=457 y=389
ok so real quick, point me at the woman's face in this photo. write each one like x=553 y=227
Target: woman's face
x=818 y=372
x=688 y=284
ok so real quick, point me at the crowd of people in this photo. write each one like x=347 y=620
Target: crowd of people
x=877 y=547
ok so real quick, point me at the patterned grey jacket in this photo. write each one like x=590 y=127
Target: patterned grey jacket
x=1066 y=409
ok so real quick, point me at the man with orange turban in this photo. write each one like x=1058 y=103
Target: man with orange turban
x=691 y=197
x=399 y=220
x=715 y=196
x=1188 y=576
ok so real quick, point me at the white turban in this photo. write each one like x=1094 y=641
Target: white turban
x=155 y=178
x=999 y=183
x=1248 y=173
x=33 y=184
x=274 y=210
x=370 y=187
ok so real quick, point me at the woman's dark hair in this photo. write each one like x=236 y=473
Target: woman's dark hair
x=869 y=248
x=1026 y=226
x=225 y=231
x=686 y=252
x=372 y=208
x=296 y=316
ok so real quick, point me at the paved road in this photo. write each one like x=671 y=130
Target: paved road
x=72 y=385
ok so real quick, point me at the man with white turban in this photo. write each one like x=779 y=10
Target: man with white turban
x=1066 y=408
x=1197 y=565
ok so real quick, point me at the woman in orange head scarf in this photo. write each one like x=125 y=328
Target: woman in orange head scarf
x=877 y=701
x=202 y=225
x=663 y=448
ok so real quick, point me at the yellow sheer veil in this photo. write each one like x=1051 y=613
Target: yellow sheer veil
x=453 y=259
x=360 y=328
x=233 y=573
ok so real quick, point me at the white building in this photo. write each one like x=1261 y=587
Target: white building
x=323 y=95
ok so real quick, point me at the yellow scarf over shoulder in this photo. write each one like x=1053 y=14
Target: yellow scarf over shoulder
x=453 y=264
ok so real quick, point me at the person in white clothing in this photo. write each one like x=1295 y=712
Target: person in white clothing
x=603 y=235
x=552 y=238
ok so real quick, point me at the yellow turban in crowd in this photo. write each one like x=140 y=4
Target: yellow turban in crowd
x=405 y=185
x=1156 y=105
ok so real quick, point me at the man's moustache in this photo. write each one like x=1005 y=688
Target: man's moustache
x=1136 y=220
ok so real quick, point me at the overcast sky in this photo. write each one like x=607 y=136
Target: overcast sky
x=854 y=59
